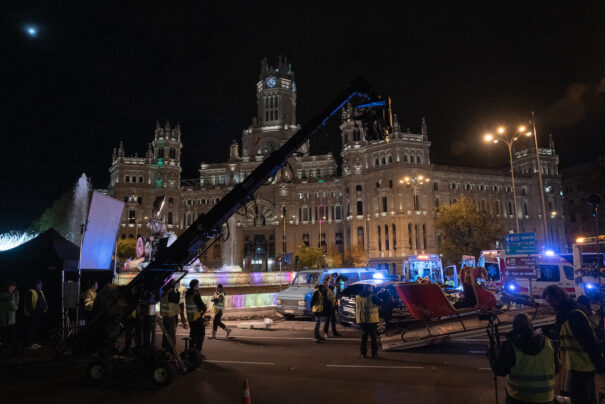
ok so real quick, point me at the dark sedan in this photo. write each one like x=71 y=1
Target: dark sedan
x=392 y=311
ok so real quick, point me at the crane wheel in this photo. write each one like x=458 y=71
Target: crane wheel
x=99 y=370
x=192 y=359
x=162 y=373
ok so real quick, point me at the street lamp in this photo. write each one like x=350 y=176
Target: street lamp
x=544 y=223
x=508 y=140
x=415 y=182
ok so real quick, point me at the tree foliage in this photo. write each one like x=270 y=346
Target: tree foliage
x=356 y=257
x=56 y=215
x=465 y=230
x=127 y=248
x=309 y=257
x=333 y=258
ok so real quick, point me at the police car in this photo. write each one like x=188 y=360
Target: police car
x=392 y=311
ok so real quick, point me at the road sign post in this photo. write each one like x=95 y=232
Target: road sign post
x=520 y=243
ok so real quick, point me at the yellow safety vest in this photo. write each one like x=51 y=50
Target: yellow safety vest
x=219 y=306
x=532 y=379
x=193 y=313
x=34 y=293
x=168 y=309
x=318 y=307
x=89 y=299
x=576 y=358
x=366 y=312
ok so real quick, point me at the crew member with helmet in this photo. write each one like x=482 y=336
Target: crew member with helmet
x=317 y=307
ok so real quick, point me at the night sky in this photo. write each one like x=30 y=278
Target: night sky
x=99 y=72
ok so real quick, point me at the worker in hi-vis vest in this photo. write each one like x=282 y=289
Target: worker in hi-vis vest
x=219 y=307
x=367 y=316
x=580 y=353
x=34 y=310
x=529 y=363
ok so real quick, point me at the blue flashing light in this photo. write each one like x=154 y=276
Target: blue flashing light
x=549 y=253
x=372 y=104
x=511 y=287
x=31 y=30
x=590 y=286
x=378 y=275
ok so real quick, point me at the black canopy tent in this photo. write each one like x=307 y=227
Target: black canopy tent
x=48 y=257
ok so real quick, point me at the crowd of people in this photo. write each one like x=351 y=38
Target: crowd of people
x=32 y=306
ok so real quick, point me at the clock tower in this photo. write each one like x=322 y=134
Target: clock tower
x=276 y=110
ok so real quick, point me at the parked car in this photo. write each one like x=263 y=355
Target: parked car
x=296 y=300
x=392 y=311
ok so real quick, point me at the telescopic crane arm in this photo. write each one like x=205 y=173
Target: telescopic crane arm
x=185 y=249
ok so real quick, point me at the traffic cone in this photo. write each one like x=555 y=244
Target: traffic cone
x=246 y=393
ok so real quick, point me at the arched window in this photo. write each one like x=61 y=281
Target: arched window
x=356 y=135
x=169 y=221
x=359 y=208
x=394 y=237
x=410 y=236
x=424 y=236
x=141 y=179
x=379 y=239
x=161 y=153
x=127 y=178
x=172 y=153
x=360 y=241
x=386 y=237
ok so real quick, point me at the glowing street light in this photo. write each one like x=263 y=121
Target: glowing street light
x=415 y=182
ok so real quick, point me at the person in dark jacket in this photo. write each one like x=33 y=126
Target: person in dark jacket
x=195 y=309
x=578 y=344
x=529 y=362
x=9 y=303
x=35 y=308
x=330 y=308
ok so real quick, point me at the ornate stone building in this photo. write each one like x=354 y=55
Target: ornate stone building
x=367 y=205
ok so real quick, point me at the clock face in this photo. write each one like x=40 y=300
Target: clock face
x=271 y=82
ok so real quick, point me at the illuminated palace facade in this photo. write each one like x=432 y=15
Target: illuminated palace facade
x=366 y=206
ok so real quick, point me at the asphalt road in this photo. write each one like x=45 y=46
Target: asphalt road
x=281 y=367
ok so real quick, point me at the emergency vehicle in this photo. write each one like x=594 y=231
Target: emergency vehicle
x=588 y=263
x=425 y=266
x=550 y=270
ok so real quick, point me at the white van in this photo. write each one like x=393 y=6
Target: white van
x=551 y=270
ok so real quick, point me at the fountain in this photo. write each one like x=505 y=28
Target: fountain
x=14 y=239
x=79 y=211
x=229 y=248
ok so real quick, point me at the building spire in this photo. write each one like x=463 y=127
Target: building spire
x=551 y=143
x=396 y=127
x=121 y=149
x=423 y=129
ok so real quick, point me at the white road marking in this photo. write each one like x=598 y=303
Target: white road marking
x=375 y=366
x=292 y=338
x=242 y=362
